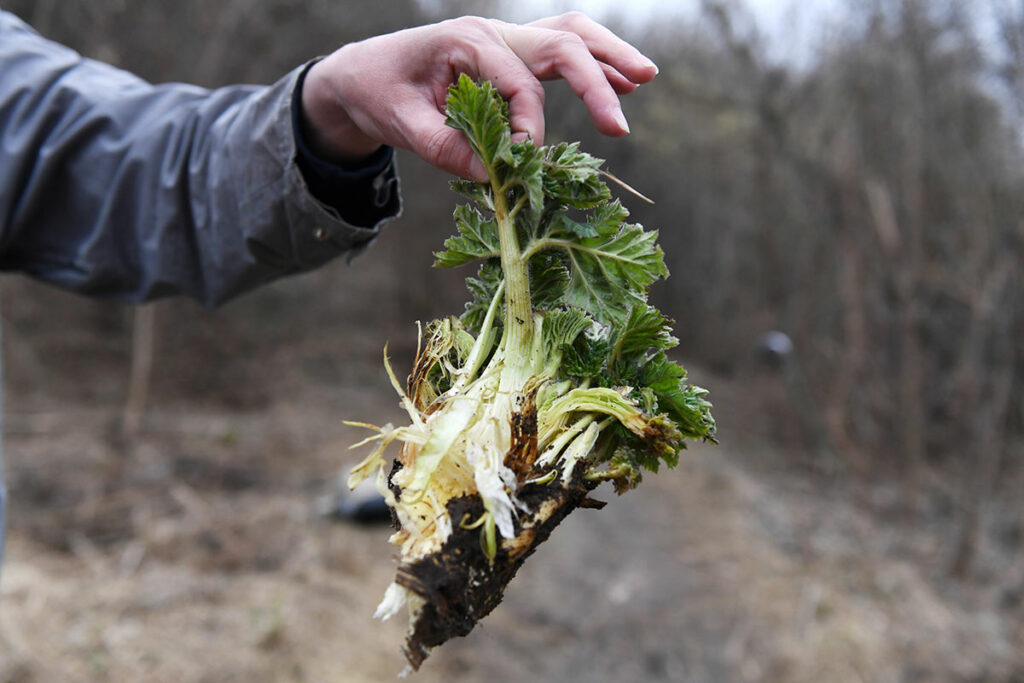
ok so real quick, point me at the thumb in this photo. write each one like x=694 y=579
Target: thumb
x=447 y=149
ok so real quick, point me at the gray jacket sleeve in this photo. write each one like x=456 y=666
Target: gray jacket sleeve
x=114 y=187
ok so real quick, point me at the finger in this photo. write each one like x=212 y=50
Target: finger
x=620 y=84
x=475 y=46
x=525 y=97
x=443 y=146
x=520 y=87
x=604 y=45
x=549 y=53
x=492 y=59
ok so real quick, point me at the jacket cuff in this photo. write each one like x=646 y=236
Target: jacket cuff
x=360 y=202
x=336 y=185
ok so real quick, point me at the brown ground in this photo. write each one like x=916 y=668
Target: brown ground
x=194 y=553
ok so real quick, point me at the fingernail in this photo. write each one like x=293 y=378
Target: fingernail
x=649 y=63
x=477 y=170
x=620 y=119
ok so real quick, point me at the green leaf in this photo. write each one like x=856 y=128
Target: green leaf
x=574 y=228
x=482 y=289
x=628 y=473
x=561 y=328
x=478 y=238
x=586 y=357
x=660 y=443
x=610 y=274
x=528 y=165
x=645 y=329
x=478 y=192
x=684 y=403
x=608 y=218
x=480 y=112
x=549 y=278
x=573 y=177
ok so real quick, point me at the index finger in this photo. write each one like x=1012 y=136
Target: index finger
x=604 y=45
x=551 y=53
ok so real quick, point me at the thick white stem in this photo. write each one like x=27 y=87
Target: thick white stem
x=518 y=305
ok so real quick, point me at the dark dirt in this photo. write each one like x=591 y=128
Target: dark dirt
x=460 y=583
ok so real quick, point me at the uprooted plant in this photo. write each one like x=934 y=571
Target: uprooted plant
x=553 y=380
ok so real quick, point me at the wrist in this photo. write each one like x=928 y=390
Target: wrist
x=326 y=125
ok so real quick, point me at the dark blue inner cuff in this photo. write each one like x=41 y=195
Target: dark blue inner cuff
x=363 y=194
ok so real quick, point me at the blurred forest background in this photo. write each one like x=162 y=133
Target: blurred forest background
x=865 y=199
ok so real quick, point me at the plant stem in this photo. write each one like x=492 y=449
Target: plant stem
x=482 y=345
x=518 y=306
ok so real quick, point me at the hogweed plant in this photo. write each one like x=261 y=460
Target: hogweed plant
x=553 y=380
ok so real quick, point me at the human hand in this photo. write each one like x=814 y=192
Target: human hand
x=391 y=89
